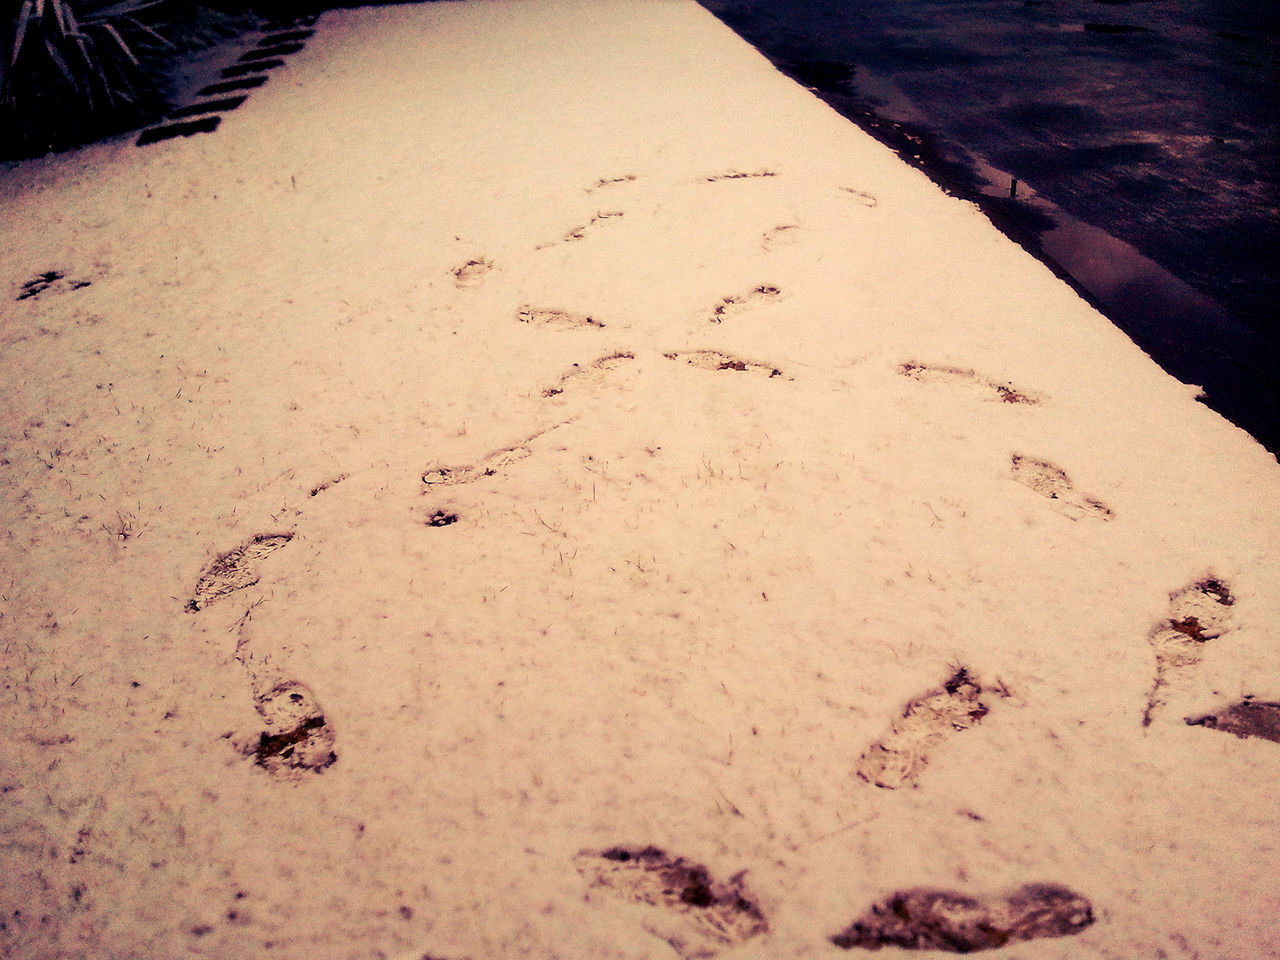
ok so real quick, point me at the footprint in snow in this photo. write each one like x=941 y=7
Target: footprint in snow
x=1050 y=480
x=471 y=273
x=592 y=373
x=864 y=198
x=991 y=389
x=714 y=360
x=1249 y=718
x=1198 y=613
x=447 y=475
x=297 y=736
x=555 y=318
x=696 y=914
x=465 y=473
x=611 y=181
x=741 y=175
x=580 y=231
x=924 y=919
x=235 y=569
x=730 y=306
x=782 y=235
x=898 y=758
x=324 y=485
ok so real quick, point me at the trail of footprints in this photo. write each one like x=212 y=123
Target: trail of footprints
x=1045 y=478
x=297 y=737
x=692 y=911
x=699 y=916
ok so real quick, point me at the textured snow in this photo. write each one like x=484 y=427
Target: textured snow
x=708 y=546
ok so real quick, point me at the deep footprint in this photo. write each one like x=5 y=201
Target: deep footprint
x=1198 y=613
x=991 y=389
x=704 y=915
x=1249 y=718
x=714 y=360
x=925 y=919
x=235 y=570
x=1050 y=480
x=898 y=758
x=298 y=737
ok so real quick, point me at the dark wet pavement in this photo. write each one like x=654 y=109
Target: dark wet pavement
x=1144 y=138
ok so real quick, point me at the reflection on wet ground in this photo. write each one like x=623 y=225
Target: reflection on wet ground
x=1130 y=145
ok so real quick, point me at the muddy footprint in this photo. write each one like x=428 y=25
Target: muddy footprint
x=1050 y=480
x=699 y=915
x=297 y=736
x=1249 y=718
x=898 y=758
x=1198 y=613
x=235 y=569
x=924 y=919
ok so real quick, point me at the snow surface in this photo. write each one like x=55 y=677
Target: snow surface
x=681 y=600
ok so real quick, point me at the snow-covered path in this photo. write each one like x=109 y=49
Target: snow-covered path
x=530 y=433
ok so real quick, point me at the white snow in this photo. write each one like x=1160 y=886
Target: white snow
x=679 y=602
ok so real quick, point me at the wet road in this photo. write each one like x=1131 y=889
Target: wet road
x=1144 y=138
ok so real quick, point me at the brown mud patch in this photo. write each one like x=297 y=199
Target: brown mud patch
x=703 y=915
x=925 y=919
